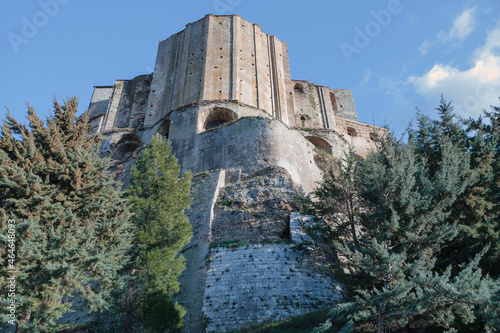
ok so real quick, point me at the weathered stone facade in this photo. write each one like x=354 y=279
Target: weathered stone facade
x=222 y=92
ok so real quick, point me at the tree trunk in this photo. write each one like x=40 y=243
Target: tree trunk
x=381 y=319
x=381 y=314
x=24 y=319
x=131 y=297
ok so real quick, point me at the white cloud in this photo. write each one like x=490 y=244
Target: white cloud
x=367 y=75
x=463 y=25
x=472 y=89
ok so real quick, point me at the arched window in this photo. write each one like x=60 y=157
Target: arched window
x=164 y=128
x=127 y=144
x=298 y=88
x=216 y=117
x=351 y=131
x=320 y=143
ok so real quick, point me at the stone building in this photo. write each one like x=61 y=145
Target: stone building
x=255 y=139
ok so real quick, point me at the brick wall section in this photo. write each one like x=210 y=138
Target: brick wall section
x=362 y=142
x=251 y=284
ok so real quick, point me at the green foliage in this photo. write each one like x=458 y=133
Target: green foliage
x=72 y=229
x=384 y=224
x=158 y=199
x=160 y=313
x=477 y=208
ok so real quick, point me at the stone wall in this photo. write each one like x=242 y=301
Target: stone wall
x=255 y=140
x=343 y=103
x=363 y=137
x=220 y=58
x=120 y=106
x=256 y=208
x=204 y=192
x=98 y=107
x=249 y=284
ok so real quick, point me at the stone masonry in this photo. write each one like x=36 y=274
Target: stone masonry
x=248 y=284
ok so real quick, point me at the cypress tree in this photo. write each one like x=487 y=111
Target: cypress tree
x=158 y=199
x=72 y=229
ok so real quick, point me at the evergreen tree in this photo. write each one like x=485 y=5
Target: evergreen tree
x=389 y=267
x=158 y=199
x=72 y=229
x=476 y=209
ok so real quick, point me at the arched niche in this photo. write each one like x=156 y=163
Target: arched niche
x=351 y=131
x=298 y=88
x=216 y=117
x=126 y=145
x=320 y=143
x=164 y=128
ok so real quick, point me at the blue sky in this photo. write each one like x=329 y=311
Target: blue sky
x=393 y=55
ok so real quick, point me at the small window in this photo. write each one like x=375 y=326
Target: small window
x=298 y=88
x=351 y=131
x=374 y=137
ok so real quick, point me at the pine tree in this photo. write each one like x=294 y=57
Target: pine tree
x=72 y=229
x=402 y=215
x=158 y=199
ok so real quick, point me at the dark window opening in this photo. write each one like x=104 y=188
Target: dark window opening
x=298 y=88
x=164 y=128
x=218 y=117
x=351 y=131
x=126 y=146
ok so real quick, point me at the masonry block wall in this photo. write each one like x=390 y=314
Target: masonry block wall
x=248 y=284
